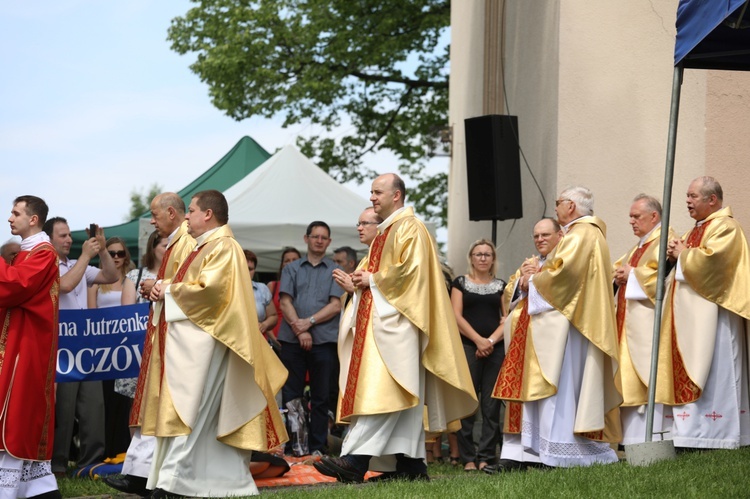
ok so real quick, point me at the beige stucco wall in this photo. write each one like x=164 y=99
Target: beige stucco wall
x=467 y=35
x=727 y=143
x=591 y=84
x=531 y=62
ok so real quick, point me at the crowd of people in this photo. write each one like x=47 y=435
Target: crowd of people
x=557 y=360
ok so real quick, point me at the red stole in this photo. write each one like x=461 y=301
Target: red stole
x=685 y=391
x=621 y=302
x=135 y=409
x=510 y=379
x=178 y=277
x=364 y=309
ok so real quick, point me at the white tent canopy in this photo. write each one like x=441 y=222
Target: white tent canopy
x=271 y=207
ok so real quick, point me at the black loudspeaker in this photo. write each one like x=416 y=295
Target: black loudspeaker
x=493 y=169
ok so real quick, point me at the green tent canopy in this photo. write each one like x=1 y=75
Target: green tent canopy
x=242 y=159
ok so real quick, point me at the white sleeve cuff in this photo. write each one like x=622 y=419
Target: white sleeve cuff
x=678 y=272
x=172 y=311
x=634 y=291
x=537 y=304
x=383 y=307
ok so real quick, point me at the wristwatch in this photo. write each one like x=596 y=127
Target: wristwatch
x=312 y=320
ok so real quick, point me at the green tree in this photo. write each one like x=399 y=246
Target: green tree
x=140 y=201
x=376 y=69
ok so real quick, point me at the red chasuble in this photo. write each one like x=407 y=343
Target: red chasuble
x=29 y=291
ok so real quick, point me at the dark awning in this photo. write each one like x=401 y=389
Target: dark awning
x=713 y=34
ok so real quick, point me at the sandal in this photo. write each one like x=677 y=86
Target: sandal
x=482 y=465
x=455 y=461
x=470 y=466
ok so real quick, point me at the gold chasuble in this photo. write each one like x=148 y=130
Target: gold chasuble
x=213 y=289
x=376 y=369
x=521 y=378
x=716 y=267
x=179 y=247
x=576 y=281
x=635 y=319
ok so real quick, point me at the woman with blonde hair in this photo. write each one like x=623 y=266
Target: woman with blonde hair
x=476 y=298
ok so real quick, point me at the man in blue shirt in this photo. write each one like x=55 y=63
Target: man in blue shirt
x=311 y=302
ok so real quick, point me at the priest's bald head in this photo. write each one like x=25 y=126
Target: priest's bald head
x=704 y=197
x=387 y=194
x=547 y=233
x=167 y=212
x=208 y=210
x=645 y=214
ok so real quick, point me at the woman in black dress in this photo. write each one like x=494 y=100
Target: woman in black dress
x=476 y=299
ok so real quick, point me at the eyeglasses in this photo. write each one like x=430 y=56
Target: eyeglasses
x=543 y=236
x=360 y=224
x=117 y=254
x=482 y=255
x=560 y=201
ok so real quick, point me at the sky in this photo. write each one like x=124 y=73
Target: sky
x=94 y=105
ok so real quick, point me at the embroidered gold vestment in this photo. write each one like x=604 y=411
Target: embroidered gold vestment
x=716 y=267
x=213 y=289
x=406 y=271
x=576 y=280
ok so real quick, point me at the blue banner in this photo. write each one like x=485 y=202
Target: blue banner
x=102 y=343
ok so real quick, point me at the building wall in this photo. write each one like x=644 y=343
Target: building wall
x=727 y=143
x=591 y=84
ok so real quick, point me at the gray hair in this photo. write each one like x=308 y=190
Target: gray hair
x=582 y=197
x=709 y=186
x=652 y=204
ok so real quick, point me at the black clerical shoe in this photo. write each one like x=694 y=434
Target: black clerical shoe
x=339 y=468
x=52 y=494
x=130 y=484
x=504 y=466
x=163 y=494
x=399 y=475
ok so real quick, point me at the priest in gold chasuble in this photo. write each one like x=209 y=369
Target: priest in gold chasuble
x=402 y=364
x=168 y=219
x=635 y=275
x=520 y=379
x=703 y=358
x=573 y=329
x=217 y=377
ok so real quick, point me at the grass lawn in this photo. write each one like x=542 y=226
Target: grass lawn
x=717 y=474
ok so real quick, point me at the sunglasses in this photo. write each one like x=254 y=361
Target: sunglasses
x=117 y=254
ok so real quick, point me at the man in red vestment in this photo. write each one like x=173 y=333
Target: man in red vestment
x=29 y=290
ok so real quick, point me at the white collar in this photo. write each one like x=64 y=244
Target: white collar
x=567 y=226
x=644 y=238
x=202 y=238
x=31 y=241
x=384 y=225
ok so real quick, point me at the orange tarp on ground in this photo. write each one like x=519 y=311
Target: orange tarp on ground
x=302 y=472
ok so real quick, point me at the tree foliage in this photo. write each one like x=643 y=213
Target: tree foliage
x=370 y=75
x=140 y=202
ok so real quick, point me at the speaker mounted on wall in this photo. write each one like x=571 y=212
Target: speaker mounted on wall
x=493 y=168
